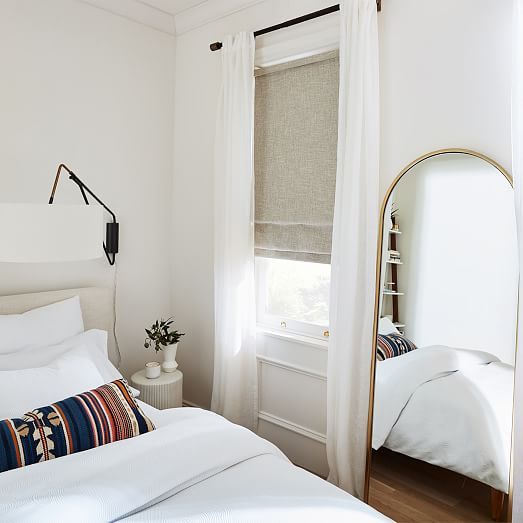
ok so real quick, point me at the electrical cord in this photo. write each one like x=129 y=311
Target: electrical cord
x=116 y=345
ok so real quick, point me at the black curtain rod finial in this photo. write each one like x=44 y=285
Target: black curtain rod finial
x=216 y=46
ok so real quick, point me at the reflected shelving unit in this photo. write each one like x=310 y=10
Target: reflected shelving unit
x=391 y=278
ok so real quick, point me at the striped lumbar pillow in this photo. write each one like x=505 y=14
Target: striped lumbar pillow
x=392 y=345
x=100 y=416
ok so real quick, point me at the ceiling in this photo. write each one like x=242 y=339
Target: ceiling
x=172 y=7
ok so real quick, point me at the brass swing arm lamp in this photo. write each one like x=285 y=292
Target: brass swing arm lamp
x=111 y=229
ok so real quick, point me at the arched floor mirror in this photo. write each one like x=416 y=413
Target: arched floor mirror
x=440 y=415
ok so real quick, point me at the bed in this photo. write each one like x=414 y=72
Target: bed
x=448 y=407
x=196 y=466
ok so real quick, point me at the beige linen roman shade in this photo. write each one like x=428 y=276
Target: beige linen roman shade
x=295 y=144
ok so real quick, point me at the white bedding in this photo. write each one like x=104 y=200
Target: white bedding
x=448 y=407
x=195 y=467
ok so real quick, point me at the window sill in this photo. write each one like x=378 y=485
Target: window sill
x=291 y=336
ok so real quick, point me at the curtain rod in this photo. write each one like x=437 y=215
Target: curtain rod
x=216 y=46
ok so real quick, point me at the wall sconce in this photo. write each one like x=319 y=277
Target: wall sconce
x=110 y=246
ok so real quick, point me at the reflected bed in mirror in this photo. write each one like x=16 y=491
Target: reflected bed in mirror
x=444 y=354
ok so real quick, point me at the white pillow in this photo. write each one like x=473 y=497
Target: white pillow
x=27 y=389
x=385 y=326
x=42 y=326
x=95 y=340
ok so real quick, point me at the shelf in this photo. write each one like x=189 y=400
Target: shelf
x=399 y=325
x=392 y=262
x=392 y=231
x=393 y=293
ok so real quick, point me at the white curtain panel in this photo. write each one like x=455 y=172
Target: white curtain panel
x=235 y=385
x=517 y=172
x=354 y=247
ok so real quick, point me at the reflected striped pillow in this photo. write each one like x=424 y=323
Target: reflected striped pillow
x=392 y=345
x=100 y=416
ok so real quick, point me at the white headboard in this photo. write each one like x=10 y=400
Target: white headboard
x=97 y=308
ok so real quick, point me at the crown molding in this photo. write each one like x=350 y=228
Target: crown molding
x=187 y=20
x=137 y=12
x=209 y=12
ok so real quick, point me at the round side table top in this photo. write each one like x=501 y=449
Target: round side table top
x=164 y=378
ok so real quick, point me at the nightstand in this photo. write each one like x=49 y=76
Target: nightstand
x=164 y=392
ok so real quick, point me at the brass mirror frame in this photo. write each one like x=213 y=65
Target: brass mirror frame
x=379 y=258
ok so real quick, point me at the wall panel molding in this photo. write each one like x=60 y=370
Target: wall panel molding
x=293 y=427
x=280 y=422
x=265 y=360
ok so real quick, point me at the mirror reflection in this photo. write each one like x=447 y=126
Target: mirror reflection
x=446 y=343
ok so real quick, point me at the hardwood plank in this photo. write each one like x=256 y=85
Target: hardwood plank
x=408 y=491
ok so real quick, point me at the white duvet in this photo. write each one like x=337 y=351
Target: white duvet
x=195 y=467
x=448 y=407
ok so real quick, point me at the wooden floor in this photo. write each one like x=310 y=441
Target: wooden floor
x=409 y=490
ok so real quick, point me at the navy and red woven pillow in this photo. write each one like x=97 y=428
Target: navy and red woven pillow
x=100 y=416
x=392 y=345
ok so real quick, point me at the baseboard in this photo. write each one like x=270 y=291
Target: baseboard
x=187 y=403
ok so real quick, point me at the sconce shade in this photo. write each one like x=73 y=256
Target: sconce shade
x=40 y=233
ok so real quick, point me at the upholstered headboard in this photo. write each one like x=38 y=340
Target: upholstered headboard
x=97 y=308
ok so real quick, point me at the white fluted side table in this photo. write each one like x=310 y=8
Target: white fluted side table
x=164 y=392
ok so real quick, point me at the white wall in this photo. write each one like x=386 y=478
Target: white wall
x=445 y=79
x=96 y=91
x=460 y=264
x=445 y=82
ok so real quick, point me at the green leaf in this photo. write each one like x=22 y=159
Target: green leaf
x=160 y=334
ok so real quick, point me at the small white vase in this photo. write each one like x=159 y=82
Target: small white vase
x=169 y=358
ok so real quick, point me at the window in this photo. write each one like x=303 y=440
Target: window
x=293 y=296
x=295 y=145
